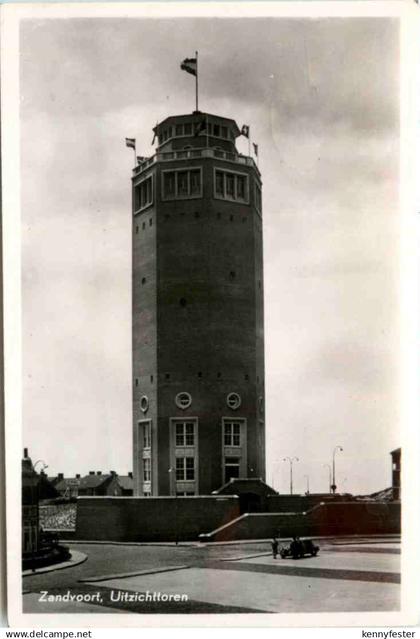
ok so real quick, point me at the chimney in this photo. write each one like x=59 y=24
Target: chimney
x=99 y=472
x=60 y=476
x=25 y=453
x=130 y=474
x=78 y=476
x=91 y=472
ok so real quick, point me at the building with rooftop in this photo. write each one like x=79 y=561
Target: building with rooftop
x=198 y=318
x=396 y=473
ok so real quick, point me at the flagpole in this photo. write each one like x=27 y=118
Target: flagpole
x=249 y=142
x=196 y=82
x=135 y=155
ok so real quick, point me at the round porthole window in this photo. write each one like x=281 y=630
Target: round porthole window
x=183 y=400
x=233 y=400
x=144 y=403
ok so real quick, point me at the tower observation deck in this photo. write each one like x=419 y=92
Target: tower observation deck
x=198 y=317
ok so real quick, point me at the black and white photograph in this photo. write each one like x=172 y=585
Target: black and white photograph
x=204 y=363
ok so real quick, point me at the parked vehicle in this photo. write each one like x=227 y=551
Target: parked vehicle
x=299 y=548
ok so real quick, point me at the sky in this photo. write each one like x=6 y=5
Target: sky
x=321 y=97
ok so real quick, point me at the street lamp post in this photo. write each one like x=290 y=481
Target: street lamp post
x=172 y=472
x=329 y=476
x=333 y=485
x=36 y=493
x=291 y=460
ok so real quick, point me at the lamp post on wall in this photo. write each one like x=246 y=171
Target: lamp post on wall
x=291 y=460
x=172 y=482
x=329 y=475
x=40 y=461
x=333 y=485
x=307 y=484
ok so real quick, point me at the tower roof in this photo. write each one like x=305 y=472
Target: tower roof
x=196 y=117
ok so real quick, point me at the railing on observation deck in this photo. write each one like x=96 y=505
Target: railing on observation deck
x=188 y=154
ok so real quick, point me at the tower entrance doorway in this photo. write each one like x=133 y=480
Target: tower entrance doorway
x=249 y=503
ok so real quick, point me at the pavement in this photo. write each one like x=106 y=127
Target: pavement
x=347 y=576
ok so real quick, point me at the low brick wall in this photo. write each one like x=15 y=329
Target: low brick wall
x=348 y=518
x=152 y=518
x=298 y=503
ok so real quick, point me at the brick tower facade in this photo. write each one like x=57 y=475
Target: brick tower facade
x=198 y=317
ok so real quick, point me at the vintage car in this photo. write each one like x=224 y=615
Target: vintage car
x=299 y=548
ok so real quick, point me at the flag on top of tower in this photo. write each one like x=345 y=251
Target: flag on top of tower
x=131 y=143
x=255 y=148
x=245 y=130
x=189 y=65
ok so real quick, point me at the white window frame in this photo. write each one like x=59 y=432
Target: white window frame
x=137 y=185
x=147 y=470
x=184 y=423
x=187 y=169
x=147 y=434
x=184 y=477
x=233 y=397
x=236 y=465
x=226 y=197
x=179 y=400
x=232 y=422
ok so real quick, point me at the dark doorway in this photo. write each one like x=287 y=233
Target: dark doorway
x=249 y=503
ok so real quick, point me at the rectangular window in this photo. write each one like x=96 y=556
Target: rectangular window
x=147 y=442
x=216 y=130
x=258 y=201
x=219 y=183
x=188 y=128
x=179 y=435
x=189 y=434
x=185 y=468
x=231 y=186
x=224 y=132
x=143 y=194
x=184 y=434
x=169 y=183
x=241 y=187
x=232 y=468
x=147 y=470
x=195 y=185
x=179 y=130
x=181 y=184
x=232 y=433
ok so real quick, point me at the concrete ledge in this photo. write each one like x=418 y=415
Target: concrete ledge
x=76 y=559
x=260 y=554
x=137 y=573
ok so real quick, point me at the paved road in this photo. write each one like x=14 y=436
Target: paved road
x=238 y=578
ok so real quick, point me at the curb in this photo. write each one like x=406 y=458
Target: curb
x=77 y=558
x=137 y=573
